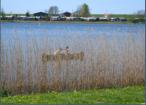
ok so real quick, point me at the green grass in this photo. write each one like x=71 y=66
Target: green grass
x=127 y=16
x=132 y=94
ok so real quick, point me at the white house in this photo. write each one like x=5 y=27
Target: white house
x=55 y=18
x=72 y=18
x=91 y=19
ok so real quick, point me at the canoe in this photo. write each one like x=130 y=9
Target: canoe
x=59 y=57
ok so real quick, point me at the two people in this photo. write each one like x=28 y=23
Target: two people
x=59 y=51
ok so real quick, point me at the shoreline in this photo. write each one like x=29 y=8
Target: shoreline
x=67 y=22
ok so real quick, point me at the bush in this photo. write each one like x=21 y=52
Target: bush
x=4 y=93
x=138 y=20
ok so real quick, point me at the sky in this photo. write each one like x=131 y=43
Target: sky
x=96 y=6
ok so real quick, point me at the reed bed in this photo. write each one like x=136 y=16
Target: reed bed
x=108 y=62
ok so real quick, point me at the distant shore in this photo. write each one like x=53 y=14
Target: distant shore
x=86 y=22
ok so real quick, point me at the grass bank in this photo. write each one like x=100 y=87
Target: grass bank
x=127 y=95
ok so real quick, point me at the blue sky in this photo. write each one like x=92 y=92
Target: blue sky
x=96 y=6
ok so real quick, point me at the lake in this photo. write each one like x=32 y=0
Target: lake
x=61 y=34
x=68 y=30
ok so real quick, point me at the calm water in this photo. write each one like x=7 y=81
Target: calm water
x=70 y=30
x=71 y=34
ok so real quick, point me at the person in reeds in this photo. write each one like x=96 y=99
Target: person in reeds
x=66 y=50
x=58 y=51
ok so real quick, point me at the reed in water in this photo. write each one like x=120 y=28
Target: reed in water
x=107 y=63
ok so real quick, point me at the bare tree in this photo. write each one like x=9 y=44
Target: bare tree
x=54 y=10
x=77 y=12
x=140 y=12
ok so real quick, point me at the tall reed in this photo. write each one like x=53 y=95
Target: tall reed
x=108 y=62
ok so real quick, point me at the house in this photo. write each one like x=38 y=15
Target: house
x=88 y=18
x=72 y=18
x=32 y=18
x=84 y=18
x=122 y=19
x=62 y=18
x=55 y=18
x=91 y=19
x=114 y=19
x=66 y=14
x=103 y=19
x=21 y=17
x=40 y=14
x=9 y=17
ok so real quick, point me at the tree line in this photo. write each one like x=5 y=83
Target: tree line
x=82 y=11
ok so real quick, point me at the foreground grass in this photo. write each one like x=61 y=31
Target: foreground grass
x=133 y=94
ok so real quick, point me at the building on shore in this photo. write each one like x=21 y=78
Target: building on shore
x=40 y=15
x=55 y=18
x=66 y=14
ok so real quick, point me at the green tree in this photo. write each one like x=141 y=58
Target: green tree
x=2 y=13
x=27 y=14
x=84 y=10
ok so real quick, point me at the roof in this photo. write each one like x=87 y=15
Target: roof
x=40 y=14
x=66 y=14
x=10 y=16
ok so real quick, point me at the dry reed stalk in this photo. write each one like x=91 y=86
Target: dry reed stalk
x=106 y=63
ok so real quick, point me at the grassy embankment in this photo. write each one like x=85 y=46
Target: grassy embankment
x=128 y=95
